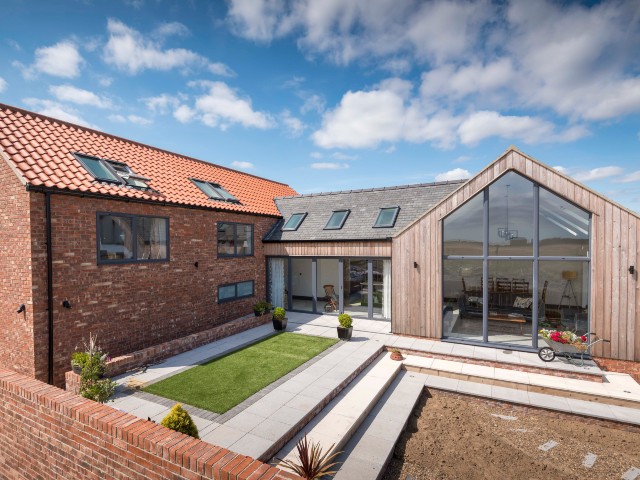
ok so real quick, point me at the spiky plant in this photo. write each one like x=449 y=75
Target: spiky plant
x=311 y=463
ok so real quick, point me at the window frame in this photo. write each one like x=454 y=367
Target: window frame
x=393 y=221
x=304 y=215
x=134 y=233
x=236 y=297
x=339 y=227
x=117 y=180
x=217 y=188
x=235 y=240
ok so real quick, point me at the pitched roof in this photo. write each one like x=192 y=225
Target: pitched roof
x=41 y=150
x=364 y=206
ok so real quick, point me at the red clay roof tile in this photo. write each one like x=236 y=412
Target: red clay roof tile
x=42 y=149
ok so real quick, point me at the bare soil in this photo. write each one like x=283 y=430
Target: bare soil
x=451 y=438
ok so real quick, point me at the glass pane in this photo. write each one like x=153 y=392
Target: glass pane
x=223 y=193
x=277 y=286
x=294 y=221
x=152 y=238
x=336 y=220
x=245 y=289
x=226 y=244
x=462 y=299
x=564 y=295
x=462 y=234
x=511 y=216
x=378 y=291
x=136 y=182
x=510 y=302
x=98 y=169
x=116 y=238
x=208 y=189
x=301 y=285
x=386 y=217
x=564 y=228
x=327 y=283
x=356 y=296
x=226 y=292
x=244 y=239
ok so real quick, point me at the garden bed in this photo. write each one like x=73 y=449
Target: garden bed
x=223 y=383
x=455 y=437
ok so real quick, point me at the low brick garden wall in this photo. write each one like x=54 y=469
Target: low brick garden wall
x=620 y=366
x=48 y=433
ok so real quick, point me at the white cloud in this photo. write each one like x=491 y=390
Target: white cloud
x=69 y=93
x=135 y=119
x=631 y=177
x=294 y=125
x=3 y=84
x=221 y=106
x=117 y=118
x=484 y=124
x=242 y=165
x=161 y=103
x=311 y=103
x=462 y=159
x=585 y=175
x=329 y=166
x=316 y=155
x=343 y=156
x=169 y=29
x=58 y=110
x=128 y=50
x=105 y=81
x=59 y=60
x=455 y=174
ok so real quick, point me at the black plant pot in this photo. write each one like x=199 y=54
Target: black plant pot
x=279 y=324
x=77 y=369
x=345 y=333
x=257 y=314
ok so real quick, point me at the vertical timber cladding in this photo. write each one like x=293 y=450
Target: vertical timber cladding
x=615 y=240
x=329 y=249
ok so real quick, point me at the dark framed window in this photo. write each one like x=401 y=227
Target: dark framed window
x=235 y=239
x=337 y=219
x=123 y=238
x=215 y=191
x=235 y=291
x=294 y=221
x=111 y=171
x=387 y=217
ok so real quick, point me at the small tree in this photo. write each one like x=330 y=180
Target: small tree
x=178 y=419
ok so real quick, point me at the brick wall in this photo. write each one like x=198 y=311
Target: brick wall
x=135 y=305
x=621 y=366
x=16 y=330
x=47 y=433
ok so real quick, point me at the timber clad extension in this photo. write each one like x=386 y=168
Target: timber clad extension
x=615 y=239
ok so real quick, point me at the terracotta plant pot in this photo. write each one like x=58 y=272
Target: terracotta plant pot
x=396 y=356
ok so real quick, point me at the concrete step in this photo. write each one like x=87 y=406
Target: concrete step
x=263 y=428
x=341 y=418
x=368 y=452
x=617 y=389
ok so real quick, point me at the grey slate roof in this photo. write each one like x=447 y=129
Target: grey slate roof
x=413 y=200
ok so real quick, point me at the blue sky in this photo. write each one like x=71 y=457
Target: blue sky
x=332 y=95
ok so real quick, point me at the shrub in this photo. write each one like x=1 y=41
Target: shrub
x=279 y=313
x=262 y=307
x=178 y=419
x=311 y=463
x=79 y=359
x=345 y=320
x=92 y=385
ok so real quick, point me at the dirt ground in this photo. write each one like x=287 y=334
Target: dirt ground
x=451 y=438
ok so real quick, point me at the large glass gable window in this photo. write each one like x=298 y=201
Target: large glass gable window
x=337 y=219
x=515 y=260
x=294 y=221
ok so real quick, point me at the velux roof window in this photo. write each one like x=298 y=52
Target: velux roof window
x=214 y=191
x=337 y=219
x=113 y=172
x=294 y=221
x=386 y=217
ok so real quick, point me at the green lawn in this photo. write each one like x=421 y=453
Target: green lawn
x=223 y=383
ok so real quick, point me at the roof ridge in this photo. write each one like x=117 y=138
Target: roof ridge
x=377 y=189
x=127 y=140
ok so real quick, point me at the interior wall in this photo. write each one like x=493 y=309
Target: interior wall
x=327 y=274
x=301 y=277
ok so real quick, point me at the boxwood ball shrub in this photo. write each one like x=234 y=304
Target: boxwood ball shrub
x=279 y=313
x=345 y=320
x=178 y=419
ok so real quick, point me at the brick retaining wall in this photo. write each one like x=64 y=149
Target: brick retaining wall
x=621 y=366
x=48 y=433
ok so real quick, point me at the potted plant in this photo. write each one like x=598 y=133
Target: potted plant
x=279 y=319
x=346 y=327
x=261 y=308
x=78 y=361
x=396 y=354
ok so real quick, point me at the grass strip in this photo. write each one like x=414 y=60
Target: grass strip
x=223 y=383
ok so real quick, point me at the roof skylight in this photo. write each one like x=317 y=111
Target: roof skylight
x=337 y=219
x=215 y=191
x=294 y=221
x=111 y=171
x=386 y=217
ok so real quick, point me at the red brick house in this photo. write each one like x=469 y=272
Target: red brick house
x=133 y=243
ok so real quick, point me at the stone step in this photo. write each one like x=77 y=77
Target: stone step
x=263 y=428
x=341 y=418
x=368 y=452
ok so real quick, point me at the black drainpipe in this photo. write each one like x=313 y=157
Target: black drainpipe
x=47 y=203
